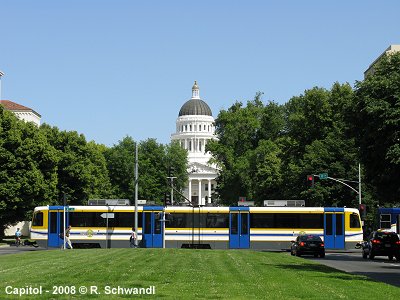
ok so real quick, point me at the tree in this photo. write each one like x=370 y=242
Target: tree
x=376 y=126
x=28 y=174
x=155 y=161
x=245 y=151
x=318 y=140
x=177 y=164
x=82 y=172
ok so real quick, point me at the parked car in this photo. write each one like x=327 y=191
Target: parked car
x=308 y=244
x=381 y=243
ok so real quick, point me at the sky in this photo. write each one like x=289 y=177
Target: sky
x=110 y=69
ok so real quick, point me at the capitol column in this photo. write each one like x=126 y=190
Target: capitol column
x=190 y=191
x=209 y=191
x=200 y=200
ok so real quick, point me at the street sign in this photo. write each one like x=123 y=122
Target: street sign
x=107 y=215
x=71 y=208
x=323 y=176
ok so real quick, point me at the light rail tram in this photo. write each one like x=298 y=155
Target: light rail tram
x=196 y=227
x=389 y=218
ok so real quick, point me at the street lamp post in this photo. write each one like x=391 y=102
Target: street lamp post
x=1 y=75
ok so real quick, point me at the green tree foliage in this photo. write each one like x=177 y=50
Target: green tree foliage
x=28 y=174
x=246 y=152
x=153 y=171
x=266 y=151
x=376 y=120
x=121 y=167
x=177 y=164
x=82 y=171
x=316 y=123
x=155 y=161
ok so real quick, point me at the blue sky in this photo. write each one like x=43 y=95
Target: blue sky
x=108 y=69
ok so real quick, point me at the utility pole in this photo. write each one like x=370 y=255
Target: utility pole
x=172 y=188
x=136 y=194
x=359 y=183
x=1 y=75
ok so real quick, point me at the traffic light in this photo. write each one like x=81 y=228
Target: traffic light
x=171 y=171
x=167 y=199
x=363 y=211
x=310 y=181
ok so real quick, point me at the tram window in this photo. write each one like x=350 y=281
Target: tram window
x=354 y=221
x=157 y=223
x=37 y=219
x=286 y=221
x=53 y=222
x=245 y=220
x=311 y=221
x=262 y=220
x=147 y=223
x=127 y=219
x=328 y=229
x=339 y=224
x=189 y=220
x=217 y=220
x=234 y=223
x=176 y=221
x=87 y=219
x=385 y=221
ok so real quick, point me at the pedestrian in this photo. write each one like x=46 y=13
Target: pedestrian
x=67 y=240
x=133 y=238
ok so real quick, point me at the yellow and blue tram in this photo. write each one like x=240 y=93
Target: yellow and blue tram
x=389 y=218
x=197 y=227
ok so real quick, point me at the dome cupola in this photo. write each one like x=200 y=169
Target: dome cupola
x=195 y=106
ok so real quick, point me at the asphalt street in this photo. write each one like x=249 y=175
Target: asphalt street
x=379 y=269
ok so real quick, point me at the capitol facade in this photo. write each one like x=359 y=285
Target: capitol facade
x=194 y=128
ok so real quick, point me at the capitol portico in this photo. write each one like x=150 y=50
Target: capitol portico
x=194 y=128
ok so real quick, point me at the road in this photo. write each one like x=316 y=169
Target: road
x=13 y=249
x=379 y=269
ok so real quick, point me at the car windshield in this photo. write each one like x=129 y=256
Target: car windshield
x=387 y=236
x=314 y=238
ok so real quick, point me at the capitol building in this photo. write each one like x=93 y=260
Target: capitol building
x=194 y=128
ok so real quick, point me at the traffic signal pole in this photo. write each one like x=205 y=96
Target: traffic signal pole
x=136 y=195
x=343 y=181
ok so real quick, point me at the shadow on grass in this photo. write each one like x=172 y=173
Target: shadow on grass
x=308 y=267
x=392 y=278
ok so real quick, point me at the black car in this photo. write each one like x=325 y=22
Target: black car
x=381 y=243
x=308 y=244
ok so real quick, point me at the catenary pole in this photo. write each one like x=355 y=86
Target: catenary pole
x=136 y=194
x=359 y=183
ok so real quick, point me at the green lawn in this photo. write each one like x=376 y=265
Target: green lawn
x=185 y=274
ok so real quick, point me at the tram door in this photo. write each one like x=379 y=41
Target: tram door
x=334 y=228
x=152 y=227
x=239 y=229
x=55 y=226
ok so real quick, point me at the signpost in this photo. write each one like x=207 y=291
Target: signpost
x=323 y=176
x=107 y=215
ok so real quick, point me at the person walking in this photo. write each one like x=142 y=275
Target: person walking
x=67 y=233
x=18 y=235
x=133 y=238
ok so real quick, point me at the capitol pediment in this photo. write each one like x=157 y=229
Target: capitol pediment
x=198 y=168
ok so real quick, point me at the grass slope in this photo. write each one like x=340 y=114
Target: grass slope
x=186 y=274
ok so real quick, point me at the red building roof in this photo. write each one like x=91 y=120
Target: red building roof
x=12 y=106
